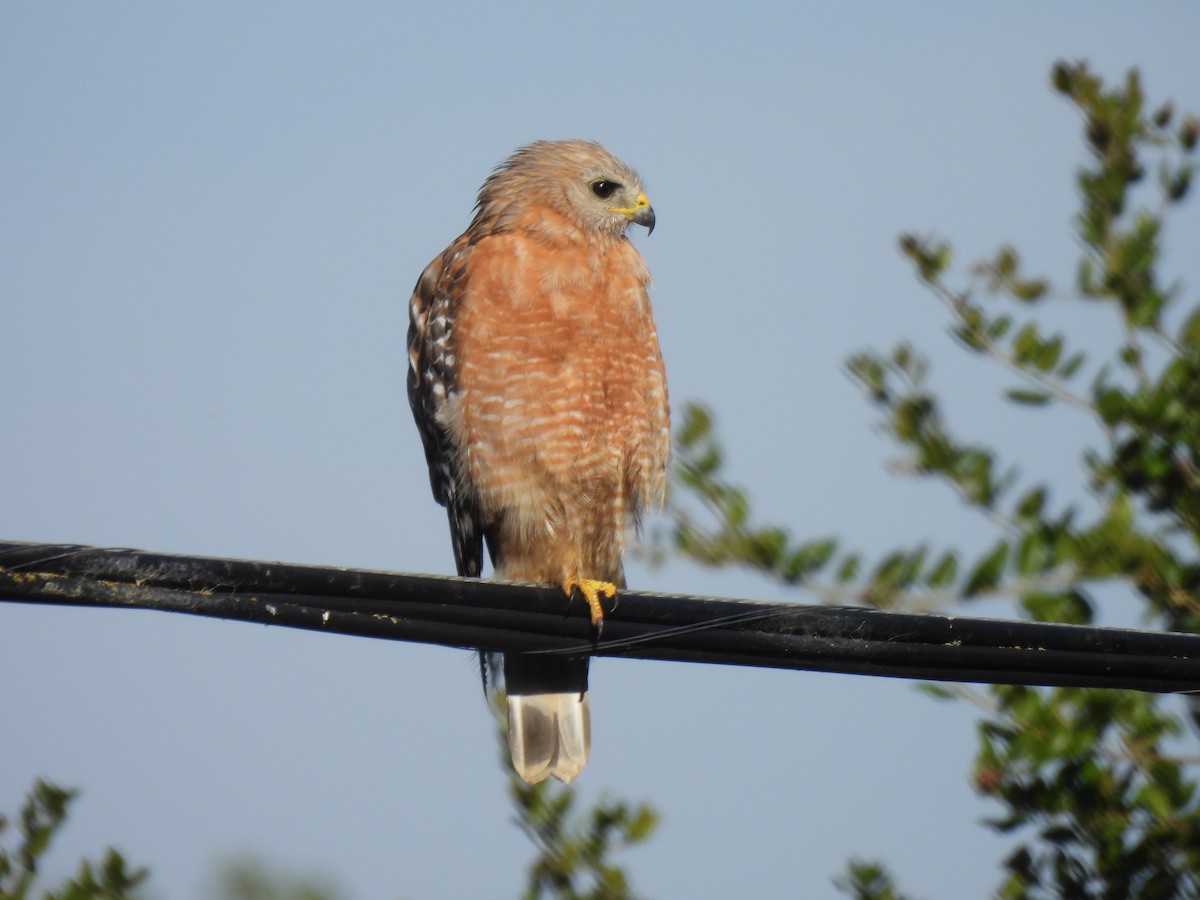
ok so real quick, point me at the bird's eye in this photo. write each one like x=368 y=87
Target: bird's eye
x=604 y=189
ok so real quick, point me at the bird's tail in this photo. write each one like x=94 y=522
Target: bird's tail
x=549 y=726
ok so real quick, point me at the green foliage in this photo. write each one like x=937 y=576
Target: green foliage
x=698 y=457
x=723 y=533
x=250 y=879
x=1113 y=812
x=574 y=860
x=867 y=881
x=1100 y=788
x=40 y=818
x=575 y=849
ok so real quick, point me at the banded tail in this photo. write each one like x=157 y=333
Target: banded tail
x=549 y=725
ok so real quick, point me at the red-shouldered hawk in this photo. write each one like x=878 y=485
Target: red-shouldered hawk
x=537 y=384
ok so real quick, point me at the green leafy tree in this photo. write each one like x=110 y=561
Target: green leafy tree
x=40 y=818
x=249 y=878
x=574 y=859
x=1099 y=787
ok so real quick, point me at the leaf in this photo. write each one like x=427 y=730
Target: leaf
x=999 y=327
x=1178 y=184
x=697 y=425
x=1032 y=504
x=987 y=572
x=1006 y=263
x=1071 y=366
x=1112 y=404
x=1033 y=554
x=765 y=547
x=943 y=573
x=736 y=508
x=1155 y=800
x=1189 y=334
x=931 y=260
x=1049 y=354
x=1026 y=343
x=1027 y=397
x=867 y=369
x=1029 y=291
x=1189 y=132
x=849 y=568
x=937 y=691
x=808 y=558
x=1070 y=607
x=642 y=825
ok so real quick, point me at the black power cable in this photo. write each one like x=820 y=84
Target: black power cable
x=495 y=616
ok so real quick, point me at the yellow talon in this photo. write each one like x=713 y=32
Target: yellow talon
x=591 y=591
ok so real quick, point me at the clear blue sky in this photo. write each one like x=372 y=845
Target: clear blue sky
x=211 y=217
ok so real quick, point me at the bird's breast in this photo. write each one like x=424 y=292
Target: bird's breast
x=561 y=375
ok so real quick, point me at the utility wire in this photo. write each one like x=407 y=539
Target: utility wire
x=507 y=617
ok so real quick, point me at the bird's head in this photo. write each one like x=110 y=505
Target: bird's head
x=579 y=179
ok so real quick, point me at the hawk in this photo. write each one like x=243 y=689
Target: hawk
x=537 y=384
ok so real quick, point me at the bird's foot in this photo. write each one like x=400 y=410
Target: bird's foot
x=591 y=591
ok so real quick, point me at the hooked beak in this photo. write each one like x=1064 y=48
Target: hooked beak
x=644 y=215
x=641 y=213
